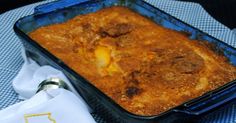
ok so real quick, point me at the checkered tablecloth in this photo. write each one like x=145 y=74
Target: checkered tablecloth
x=11 y=60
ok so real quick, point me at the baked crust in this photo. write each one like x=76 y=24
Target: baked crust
x=145 y=68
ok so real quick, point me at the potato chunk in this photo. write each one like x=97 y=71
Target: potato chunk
x=103 y=56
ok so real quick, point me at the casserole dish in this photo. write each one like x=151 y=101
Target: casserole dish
x=97 y=100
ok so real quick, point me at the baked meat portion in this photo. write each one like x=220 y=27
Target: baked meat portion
x=145 y=68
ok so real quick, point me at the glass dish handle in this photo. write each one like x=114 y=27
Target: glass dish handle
x=51 y=6
x=211 y=100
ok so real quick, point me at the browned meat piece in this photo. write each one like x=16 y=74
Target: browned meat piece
x=115 y=30
x=189 y=63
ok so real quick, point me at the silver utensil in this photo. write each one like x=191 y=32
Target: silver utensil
x=52 y=83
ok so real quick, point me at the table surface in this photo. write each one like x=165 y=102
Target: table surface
x=11 y=60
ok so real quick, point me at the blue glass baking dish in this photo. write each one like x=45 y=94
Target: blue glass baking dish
x=60 y=11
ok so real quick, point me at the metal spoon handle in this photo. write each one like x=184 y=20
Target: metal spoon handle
x=52 y=83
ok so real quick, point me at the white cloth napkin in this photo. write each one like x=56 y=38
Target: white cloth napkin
x=31 y=75
x=50 y=106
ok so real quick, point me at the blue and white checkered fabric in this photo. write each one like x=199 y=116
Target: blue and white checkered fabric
x=11 y=60
x=195 y=15
x=10 y=56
